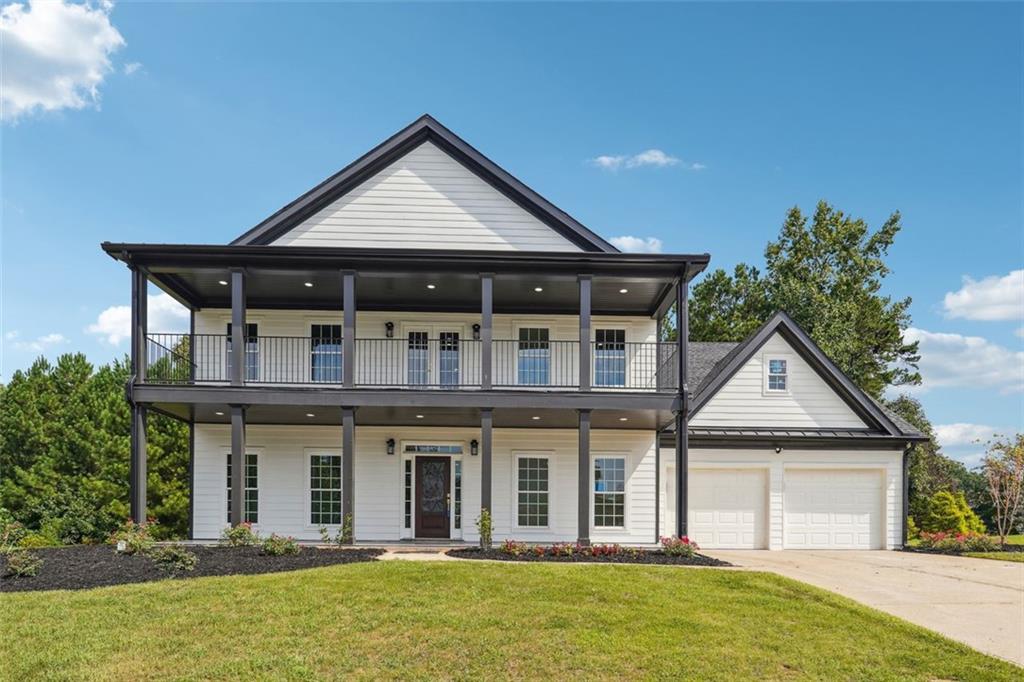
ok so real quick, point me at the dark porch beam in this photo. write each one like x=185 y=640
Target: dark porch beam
x=486 y=329
x=585 y=282
x=682 y=473
x=486 y=445
x=238 y=328
x=237 y=464
x=583 y=467
x=137 y=464
x=682 y=415
x=348 y=467
x=139 y=312
x=348 y=335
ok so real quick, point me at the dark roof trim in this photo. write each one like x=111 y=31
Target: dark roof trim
x=419 y=131
x=783 y=324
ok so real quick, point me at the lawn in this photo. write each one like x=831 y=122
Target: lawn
x=1017 y=557
x=472 y=620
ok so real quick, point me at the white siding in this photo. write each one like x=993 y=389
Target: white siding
x=809 y=402
x=283 y=451
x=887 y=463
x=426 y=200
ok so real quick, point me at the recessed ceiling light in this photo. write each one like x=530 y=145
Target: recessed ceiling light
x=222 y=283
x=419 y=416
x=219 y=414
x=308 y=284
x=431 y=286
x=623 y=419
x=623 y=291
x=538 y=289
x=535 y=418
x=310 y=414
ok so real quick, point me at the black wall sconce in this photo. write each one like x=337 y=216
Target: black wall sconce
x=474 y=447
x=778 y=449
x=476 y=332
x=389 y=329
x=391 y=446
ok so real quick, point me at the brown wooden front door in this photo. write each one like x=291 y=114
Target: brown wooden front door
x=433 y=496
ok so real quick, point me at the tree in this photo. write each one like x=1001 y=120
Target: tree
x=949 y=513
x=828 y=277
x=64 y=446
x=1003 y=468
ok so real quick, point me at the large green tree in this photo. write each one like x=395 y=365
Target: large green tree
x=64 y=451
x=827 y=275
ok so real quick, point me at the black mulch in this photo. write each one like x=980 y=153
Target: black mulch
x=644 y=557
x=925 y=550
x=81 y=567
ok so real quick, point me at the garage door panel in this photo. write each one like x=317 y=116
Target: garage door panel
x=827 y=509
x=728 y=508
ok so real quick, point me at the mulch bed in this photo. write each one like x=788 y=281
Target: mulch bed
x=81 y=567
x=924 y=550
x=644 y=557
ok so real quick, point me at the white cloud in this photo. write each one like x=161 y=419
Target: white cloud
x=631 y=244
x=954 y=360
x=651 y=157
x=55 y=55
x=132 y=67
x=11 y=335
x=114 y=324
x=991 y=298
x=38 y=344
x=960 y=433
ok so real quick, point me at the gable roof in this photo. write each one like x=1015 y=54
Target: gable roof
x=416 y=133
x=726 y=359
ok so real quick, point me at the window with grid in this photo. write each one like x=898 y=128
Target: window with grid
x=408 y=493
x=252 y=351
x=325 y=490
x=532 y=491
x=610 y=357
x=252 y=494
x=609 y=492
x=419 y=358
x=448 y=358
x=325 y=353
x=777 y=377
x=534 y=356
x=458 y=493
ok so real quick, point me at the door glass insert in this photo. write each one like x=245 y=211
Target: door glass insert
x=432 y=498
x=419 y=359
x=448 y=358
x=325 y=353
x=534 y=356
x=610 y=357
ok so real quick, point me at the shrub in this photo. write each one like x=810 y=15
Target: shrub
x=513 y=548
x=241 y=535
x=174 y=558
x=485 y=528
x=950 y=543
x=22 y=564
x=676 y=546
x=912 y=530
x=279 y=545
x=538 y=551
x=605 y=550
x=563 y=549
x=950 y=513
x=346 y=534
x=37 y=541
x=12 y=533
x=338 y=539
x=135 y=536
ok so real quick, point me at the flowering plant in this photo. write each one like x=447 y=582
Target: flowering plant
x=679 y=546
x=241 y=535
x=133 y=538
x=956 y=543
x=513 y=548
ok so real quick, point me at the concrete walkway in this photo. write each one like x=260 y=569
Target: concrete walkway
x=979 y=602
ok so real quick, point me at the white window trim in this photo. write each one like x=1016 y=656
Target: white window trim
x=308 y=370
x=551 y=326
x=258 y=451
x=433 y=331
x=529 y=454
x=766 y=359
x=627 y=330
x=594 y=456
x=308 y=503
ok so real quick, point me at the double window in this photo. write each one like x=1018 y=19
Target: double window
x=777 y=377
x=325 y=353
x=533 y=476
x=250 y=512
x=534 y=356
x=609 y=492
x=325 y=490
x=252 y=352
x=610 y=357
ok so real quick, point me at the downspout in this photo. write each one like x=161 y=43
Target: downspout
x=906 y=493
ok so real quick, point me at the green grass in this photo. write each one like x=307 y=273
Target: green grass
x=1015 y=539
x=1017 y=557
x=472 y=620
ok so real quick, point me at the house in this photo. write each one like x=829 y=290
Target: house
x=422 y=336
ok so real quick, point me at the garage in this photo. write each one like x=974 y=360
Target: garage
x=833 y=509
x=728 y=508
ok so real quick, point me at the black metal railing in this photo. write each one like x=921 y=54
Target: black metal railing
x=414 y=362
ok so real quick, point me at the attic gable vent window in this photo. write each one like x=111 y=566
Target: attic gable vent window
x=777 y=379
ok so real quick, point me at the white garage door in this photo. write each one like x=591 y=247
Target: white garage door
x=728 y=508
x=830 y=509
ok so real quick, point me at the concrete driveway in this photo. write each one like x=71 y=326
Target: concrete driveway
x=976 y=601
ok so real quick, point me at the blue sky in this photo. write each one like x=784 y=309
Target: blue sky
x=192 y=122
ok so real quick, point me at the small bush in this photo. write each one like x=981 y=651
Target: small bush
x=485 y=528
x=912 y=530
x=136 y=537
x=563 y=549
x=949 y=543
x=12 y=533
x=513 y=548
x=950 y=513
x=174 y=558
x=605 y=550
x=22 y=564
x=279 y=545
x=37 y=541
x=676 y=546
x=241 y=535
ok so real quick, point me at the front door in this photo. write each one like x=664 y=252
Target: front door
x=433 y=496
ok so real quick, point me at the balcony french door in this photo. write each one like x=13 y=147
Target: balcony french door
x=434 y=356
